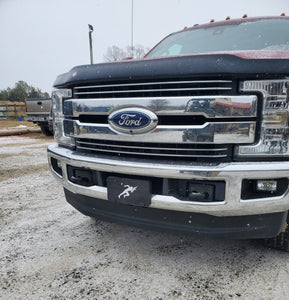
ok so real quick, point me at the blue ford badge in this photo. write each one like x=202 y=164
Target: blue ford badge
x=133 y=120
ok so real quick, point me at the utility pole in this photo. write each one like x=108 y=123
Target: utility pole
x=90 y=27
x=132 y=50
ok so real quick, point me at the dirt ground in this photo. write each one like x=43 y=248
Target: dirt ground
x=15 y=123
x=51 y=251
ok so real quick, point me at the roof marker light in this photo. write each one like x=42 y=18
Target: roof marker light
x=283 y=15
x=245 y=16
x=212 y=21
x=228 y=18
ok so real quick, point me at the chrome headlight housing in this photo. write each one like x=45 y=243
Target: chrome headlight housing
x=58 y=97
x=274 y=130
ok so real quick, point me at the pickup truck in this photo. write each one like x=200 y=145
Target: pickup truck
x=38 y=112
x=191 y=138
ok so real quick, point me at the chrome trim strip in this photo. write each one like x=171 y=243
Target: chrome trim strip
x=207 y=106
x=222 y=133
x=231 y=173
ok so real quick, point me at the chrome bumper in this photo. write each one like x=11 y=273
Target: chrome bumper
x=231 y=173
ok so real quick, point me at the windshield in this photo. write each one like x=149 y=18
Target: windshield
x=269 y=34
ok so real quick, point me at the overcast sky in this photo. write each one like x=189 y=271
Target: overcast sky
x=43 y=38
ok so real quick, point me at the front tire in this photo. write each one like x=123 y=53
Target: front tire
x=45 y=130
x=281 y=241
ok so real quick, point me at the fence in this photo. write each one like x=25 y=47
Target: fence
x=12 y=111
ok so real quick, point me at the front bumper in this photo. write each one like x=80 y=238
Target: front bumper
x=230 y=173
x=237 y=227
x=37 y=118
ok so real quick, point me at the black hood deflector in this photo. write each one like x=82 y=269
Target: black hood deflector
x=194 y=66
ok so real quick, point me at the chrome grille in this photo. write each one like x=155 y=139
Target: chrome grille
x=193 y=152
x=198 y=120
x=154 y=89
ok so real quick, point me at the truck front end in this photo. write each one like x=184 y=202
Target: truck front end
x=183 y=140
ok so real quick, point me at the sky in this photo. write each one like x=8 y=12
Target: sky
x=40 y=39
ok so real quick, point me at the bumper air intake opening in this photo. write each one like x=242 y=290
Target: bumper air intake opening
x=197 y=191
x=263 y=188
x=56 y=166
x=81 y=176
x=185 y=190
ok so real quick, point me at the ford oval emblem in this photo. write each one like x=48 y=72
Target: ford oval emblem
x=133 y=120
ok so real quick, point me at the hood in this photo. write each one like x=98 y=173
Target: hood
x=239 y=64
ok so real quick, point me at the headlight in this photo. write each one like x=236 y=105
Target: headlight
x=274 y=131
x=58 y=96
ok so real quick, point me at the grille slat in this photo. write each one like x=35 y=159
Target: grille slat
x=155 y=90
x=98 y=144
x=193 y=152
x=153 y=154
x=143 y=89
x=153 y=83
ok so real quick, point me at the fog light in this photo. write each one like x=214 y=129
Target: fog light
x=263 y=188
x=266 y=186
x=59 y=164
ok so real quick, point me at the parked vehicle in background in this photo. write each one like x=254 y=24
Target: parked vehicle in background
x=194 y=137
x=38 y=112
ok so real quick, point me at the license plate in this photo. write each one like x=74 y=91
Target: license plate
x=129 y=191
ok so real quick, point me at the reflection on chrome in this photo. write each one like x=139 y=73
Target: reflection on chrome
x=225 y=133
x=224 y=107
x=181 y=120
x=209 y=106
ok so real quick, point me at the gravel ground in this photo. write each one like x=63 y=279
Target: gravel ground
x=51 y=251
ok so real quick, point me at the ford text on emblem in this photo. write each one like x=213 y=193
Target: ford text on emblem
x=133 y=120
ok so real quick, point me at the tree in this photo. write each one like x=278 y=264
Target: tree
x=21 y=91
x=158 y=104
x=137 y=51
x=4 y=95
x=115 y=53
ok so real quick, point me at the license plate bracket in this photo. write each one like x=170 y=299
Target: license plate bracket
x=129 y=191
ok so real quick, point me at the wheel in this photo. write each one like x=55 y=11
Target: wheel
x=281 y=241
x=45 y=130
